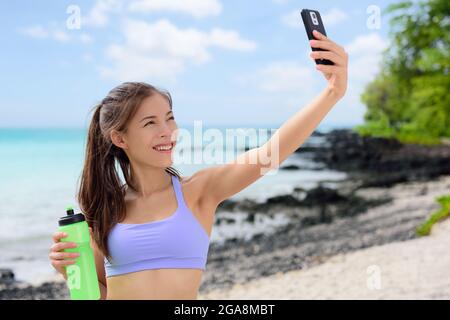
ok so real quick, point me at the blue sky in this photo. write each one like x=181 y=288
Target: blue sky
x=224 y=62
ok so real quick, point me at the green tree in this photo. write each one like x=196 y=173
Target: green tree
x=409 y=99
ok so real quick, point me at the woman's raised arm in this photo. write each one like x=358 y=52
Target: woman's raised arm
x=223 y=181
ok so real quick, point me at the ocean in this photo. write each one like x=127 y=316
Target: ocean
x=40 y=168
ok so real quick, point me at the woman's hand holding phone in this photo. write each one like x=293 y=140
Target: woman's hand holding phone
x=336 y=74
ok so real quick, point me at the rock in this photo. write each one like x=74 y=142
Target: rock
x=287 y=200
x=250 y=217
x=322 y=195
x=227 y=205
x=6 y=276
x=290 y=167
x=348 y=151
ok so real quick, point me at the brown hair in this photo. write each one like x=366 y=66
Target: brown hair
x=100 y=195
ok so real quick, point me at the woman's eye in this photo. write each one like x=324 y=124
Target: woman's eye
x=152 y=122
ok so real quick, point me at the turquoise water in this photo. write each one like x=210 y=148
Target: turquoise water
x=39 y=175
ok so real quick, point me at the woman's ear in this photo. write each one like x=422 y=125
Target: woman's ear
x=118 y=139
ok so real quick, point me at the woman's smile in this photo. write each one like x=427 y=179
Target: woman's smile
x=164 y=148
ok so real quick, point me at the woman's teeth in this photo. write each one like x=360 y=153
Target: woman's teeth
x=163 y=148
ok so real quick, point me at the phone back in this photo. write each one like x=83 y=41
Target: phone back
x=313 y=21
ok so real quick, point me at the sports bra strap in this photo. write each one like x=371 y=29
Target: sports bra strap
x=178 y=191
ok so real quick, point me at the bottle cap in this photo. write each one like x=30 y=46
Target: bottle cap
x=71 y=217
x=69 y=210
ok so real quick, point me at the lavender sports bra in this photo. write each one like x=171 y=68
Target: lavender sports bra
x=178 y=241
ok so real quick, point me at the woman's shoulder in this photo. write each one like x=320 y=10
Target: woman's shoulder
x=193 y=180
x=196 y=193
x=195 y=184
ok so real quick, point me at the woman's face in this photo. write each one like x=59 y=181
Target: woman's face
x=153 y=124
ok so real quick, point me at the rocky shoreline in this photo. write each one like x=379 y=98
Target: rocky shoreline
x=367 y=209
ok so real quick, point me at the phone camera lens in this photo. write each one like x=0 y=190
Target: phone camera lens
x=314 y=18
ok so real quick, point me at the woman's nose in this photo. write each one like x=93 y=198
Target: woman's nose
x=166 y=130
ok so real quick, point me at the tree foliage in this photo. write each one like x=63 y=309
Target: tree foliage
x=409 y=99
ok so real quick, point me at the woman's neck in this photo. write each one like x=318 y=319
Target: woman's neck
x=149 y=181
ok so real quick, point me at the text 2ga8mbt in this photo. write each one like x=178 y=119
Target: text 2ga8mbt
x=222 y=309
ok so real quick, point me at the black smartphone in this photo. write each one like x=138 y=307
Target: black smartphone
x=313 y=21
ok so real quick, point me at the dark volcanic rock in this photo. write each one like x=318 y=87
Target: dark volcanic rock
x=11 y=289
x=287 y=200
x=290 y=167
x=6 y=276
x=321 y=195
x=386 y=161
x=45 y=291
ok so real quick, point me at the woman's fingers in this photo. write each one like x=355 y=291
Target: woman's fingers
x=323 y=37
x=62 y=245
x=327 y=44
x=63 y=255
x=329 y=69
x=58 y=259
x=337 y=59
x=60 y=263
x=57 y=236
x=319 y=35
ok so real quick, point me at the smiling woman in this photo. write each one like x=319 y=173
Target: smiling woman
x=100 y=181
x=134 y=126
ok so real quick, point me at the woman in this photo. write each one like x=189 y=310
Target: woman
x=151 y=236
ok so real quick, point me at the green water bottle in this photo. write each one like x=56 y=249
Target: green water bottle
x=82 y=278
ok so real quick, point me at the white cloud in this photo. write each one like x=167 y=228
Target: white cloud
x=98 y=16
x=133 y=66
x=161 y=49
x=334 y=17
x=330 y=18
x=283 y=87
x=364 y=63
x=292 y=19
x=196 y=8
x=364 y=56
x=40 y=32
x=37 y=31
x=282 y=77
x=230 y=40
x=280 y=1
x=363 y=44
x=56 y=33
x=86 y=38
x=60 y=35
x=87 y=57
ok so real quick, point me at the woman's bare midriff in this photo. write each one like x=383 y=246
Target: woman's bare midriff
x=155 y=284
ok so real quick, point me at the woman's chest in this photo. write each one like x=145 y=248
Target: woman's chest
x=163 y=206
